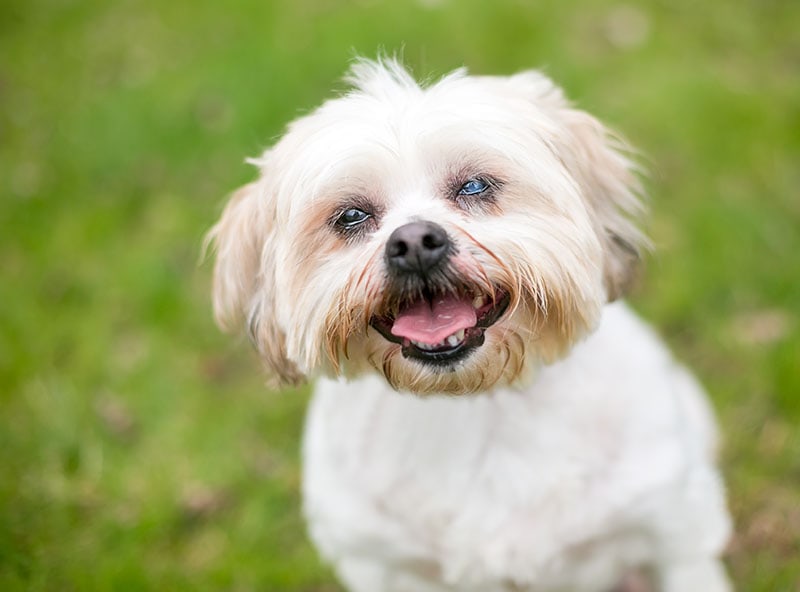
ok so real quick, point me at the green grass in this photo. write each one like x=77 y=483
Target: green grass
x=139 y=449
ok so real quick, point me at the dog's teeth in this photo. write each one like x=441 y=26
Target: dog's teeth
x=450 y=341
x=478 y=301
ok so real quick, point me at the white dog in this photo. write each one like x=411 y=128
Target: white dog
x=445 y=256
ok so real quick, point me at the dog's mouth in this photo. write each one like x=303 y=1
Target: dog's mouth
x=442 y=328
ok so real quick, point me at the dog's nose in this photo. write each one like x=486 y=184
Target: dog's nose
x=416 y=247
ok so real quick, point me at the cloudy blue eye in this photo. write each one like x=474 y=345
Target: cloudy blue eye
x=352 y=217
x=473 y=187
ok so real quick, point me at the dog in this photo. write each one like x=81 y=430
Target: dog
x=448 y=260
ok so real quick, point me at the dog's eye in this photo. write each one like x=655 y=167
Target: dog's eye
x=352 y=217
x=473 y=187
x=476 y=194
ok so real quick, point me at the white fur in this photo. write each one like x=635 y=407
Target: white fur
x=566 y=451
x=601 y=465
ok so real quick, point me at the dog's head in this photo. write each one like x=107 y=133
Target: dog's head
x=448 y=237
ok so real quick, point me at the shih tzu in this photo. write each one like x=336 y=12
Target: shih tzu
x=446 y=258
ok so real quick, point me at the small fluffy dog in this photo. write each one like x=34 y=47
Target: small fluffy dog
x=445 y=258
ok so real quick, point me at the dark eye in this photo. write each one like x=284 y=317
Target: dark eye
x=473 y=187
x=352 y=217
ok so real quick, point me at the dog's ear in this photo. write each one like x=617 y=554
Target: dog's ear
x=599 y=160
x=601 y=163
x=244 y=278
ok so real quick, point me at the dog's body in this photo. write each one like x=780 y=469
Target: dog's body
x=602 y=465
x=446 y=257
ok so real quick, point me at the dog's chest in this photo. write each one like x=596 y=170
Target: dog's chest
x=480 y=484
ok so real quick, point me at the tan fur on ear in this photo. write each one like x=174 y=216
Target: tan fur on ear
x=237 y=241
x=600 y=163
x=609 y=182
x=243 y=290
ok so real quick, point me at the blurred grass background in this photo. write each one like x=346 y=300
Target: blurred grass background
x=139 y=449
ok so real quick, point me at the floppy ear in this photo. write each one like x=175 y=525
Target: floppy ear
x=244 y=278
x=611 y=186
x=600 y=163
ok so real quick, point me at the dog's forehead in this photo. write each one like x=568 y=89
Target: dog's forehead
x=396 y=139
x=406 y=117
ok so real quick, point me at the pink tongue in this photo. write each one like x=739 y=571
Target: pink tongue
x=431 y=322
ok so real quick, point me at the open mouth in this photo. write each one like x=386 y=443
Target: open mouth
x=442 y=328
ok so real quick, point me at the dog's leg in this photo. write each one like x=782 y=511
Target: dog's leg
x=699 y=576
x=637 y=581
x=361 y=576
x=368 y=575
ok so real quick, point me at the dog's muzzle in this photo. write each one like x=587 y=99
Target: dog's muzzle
x=437 y=316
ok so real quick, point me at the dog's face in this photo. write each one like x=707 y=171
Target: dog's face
x=447 y=237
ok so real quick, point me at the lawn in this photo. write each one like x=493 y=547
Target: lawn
x=139 y=447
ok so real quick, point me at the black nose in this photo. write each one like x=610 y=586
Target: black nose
x=417 y=247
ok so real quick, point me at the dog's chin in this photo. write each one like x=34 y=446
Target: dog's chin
x=498 y=361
